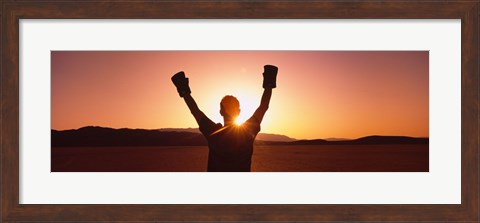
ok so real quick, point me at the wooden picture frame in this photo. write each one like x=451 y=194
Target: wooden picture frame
x=12 y=11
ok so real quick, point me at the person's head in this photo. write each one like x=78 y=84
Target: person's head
x=230 y=107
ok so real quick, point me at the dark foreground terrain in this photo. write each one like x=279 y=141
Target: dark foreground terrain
x=267 y=158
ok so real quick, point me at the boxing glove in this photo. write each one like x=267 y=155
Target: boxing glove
x=270 y=76
x=181 y=82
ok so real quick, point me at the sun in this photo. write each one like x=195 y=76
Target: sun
x=238 y=122
x=248 y=105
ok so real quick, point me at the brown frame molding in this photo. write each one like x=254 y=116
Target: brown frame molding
x=11 y=11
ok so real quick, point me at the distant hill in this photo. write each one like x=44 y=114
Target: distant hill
x=193 y=130
x=337 y=139
x=101 y=136
x=260 y=136
x=389 y=140
x=310 y=142
x=368 y=140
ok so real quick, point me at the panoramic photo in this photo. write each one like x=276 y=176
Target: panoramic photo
x=239 y=111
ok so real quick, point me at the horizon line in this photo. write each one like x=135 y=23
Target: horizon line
x=295 y=139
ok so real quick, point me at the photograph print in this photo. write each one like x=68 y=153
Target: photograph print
x=239 y=111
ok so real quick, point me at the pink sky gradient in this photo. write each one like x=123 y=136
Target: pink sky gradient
x=320 y=94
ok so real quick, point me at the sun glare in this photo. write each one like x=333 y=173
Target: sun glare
x=238 y=122
x=248 y=104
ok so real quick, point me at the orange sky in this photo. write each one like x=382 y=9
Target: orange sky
x=320 y=94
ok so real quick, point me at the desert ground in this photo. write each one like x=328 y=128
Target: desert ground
x=282 y=158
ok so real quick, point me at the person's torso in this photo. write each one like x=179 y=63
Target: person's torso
x=230 y=149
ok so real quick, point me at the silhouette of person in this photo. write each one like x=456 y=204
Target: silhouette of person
x=230 y=146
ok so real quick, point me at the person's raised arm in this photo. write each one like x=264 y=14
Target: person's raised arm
x=181 y=82
x=269 y=82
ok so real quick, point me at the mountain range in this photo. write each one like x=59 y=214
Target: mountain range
x=101 y=136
